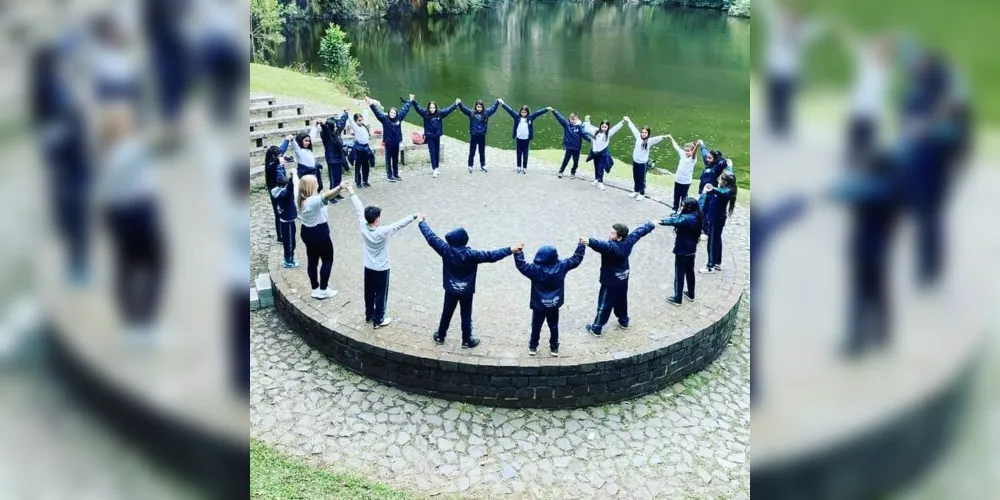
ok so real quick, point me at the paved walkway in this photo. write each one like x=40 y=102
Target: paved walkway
x=691 y=440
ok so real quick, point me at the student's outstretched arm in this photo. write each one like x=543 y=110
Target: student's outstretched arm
x=403 y=110
x=526 y=268
x=639 y=232
x=386 y=232
x=341 y=122
x=283 y=148
x=420 y=110
x=635 y=131
x=486 y=256
x=313 y=133
x=652 y=141
x=492 y=109
x=559 y=118
x=449 y=110
x=465 y=111
x=359 y=208
x=614 y=130
x=538 y=113
x=379 y=115
x=704 y=151
x=577 y=258
x=433 y=240
x=600 y=246
x=329 y=194
x=680 y=151
x=509 y=110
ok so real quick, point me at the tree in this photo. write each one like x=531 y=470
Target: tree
x=266 y=22
x=335 y=51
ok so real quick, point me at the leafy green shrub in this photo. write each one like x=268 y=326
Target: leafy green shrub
x=335 y=51
x=740 y=8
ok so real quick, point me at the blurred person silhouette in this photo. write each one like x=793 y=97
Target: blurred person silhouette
x=224 y=57
x=58 y=113
x=239 y=276
x=872 y=192
x=788 y=36
x=935 y=138
x=163 y=24
x=873 y=60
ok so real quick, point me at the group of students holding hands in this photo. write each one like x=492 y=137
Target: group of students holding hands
x=300 y=196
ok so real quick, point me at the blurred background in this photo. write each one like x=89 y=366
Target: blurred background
x=124 y=263
x=874 y=128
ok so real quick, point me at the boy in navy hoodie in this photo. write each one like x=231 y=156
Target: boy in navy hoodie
x=614 y=274
x=460 y=264
x=548 y=279
x=574 y=133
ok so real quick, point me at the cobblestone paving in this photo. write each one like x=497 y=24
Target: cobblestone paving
x=689 y=441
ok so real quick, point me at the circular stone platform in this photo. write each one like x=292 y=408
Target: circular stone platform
x=663 y=344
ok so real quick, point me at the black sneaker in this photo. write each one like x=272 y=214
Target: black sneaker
x=390 y=179
x=437 y=339
x=689 y=296
x=594 y=332
x=483 y=168
x=472 y=343
x=368 y=320
x=560 y=175
x=398 y=178
x=622 y=326
x=532 y=351
x=674 y=301
x=367 y=185
x=554 y=353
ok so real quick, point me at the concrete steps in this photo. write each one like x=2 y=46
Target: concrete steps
x=273 y=110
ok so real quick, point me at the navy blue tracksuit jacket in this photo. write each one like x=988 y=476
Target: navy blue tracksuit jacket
x=479 y=122
x=615 y=254
x=333 y=153
x=688 y=232
x=517 y=120
x=392 y=132
x=433 y=126
x=573 y=135
x=460 y=262
x=548 y=275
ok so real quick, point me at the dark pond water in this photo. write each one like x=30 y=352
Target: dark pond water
x=685 y=72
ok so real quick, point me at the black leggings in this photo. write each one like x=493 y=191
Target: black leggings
x=523 y=146
x=477 y=142
x=683 y=273
x=319 y=247
x=575 y=155
x=139 y=258
x=362 y=167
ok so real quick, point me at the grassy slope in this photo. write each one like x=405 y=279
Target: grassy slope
x=274 y=476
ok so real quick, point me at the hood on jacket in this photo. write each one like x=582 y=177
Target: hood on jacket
x=546 y=256
x=457 y=237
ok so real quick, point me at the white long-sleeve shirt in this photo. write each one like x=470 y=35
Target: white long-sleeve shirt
x=786 y=41
x=871 y=83
x=376 y=239
x=685 y=167
x=522 y=128
x=601 y=141
x=305 y=156
x=641 y=154
x=361 y=134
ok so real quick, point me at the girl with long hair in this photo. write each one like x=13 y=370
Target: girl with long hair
x=600 y=151
x=687 y=229
x=315 y=230
x=479 y=120
x=719 y=203
x=364 y=157
x=392 y=135
x=302 y=146
x=331 y=131
x=524 y=132
x=684 y=173
x=433 y=128
x=640 y=157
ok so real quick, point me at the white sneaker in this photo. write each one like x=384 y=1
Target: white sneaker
x=703 y=237
x=600 y=186
x=633 y=195
x=318 y=294
x=470 y=170
x=596 y=182
x=329 y=293
x=640 y=197
x=705 y=270
x=435 y=173
x=385 y=322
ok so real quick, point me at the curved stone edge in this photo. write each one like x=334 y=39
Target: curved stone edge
x=216 y=465
x=879 y=460
x=517 y=386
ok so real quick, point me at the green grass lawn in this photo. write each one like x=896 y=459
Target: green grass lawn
x=274 y=476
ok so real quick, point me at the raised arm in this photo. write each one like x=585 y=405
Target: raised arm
x=342 y=121
x=509 y=111
x=379 y=115
x=403 y=110
x=680 y=151
x=329 y=194
x=526 y=268
x=577 y=258
x=601 y=246
x=283 y=148
x=634 y=130
x=449 y=110
x=491 y=255
x=359 y=208
x=704 y=151
x=655 y=140
x=538 y=113
x=433 y=240
x=396 y=226
x=590 y=129
x=465 y=111
x=639 y=232
x=614 y=130
x=492 y=109
x=560 y=118
x=420 y=110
